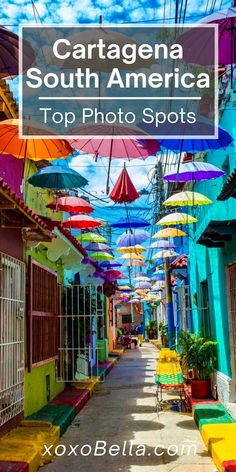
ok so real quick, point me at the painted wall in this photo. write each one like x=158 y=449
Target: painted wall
x=11 y=170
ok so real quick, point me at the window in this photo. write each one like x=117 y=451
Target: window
x=43 y=314
x=206 y=322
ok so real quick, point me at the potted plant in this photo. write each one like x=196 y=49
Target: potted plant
x=199 y=354
x=163 y=330
x=152 y=329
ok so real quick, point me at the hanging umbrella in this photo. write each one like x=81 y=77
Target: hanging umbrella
x=81 y=222
x=98 y=247
x=125 y=288
x=176 y=219
x=57 y=178
x=158 y=277
x=137 y=249
x=135 y=263
x=71 y=204
x=169 y=233
x=130 y=222
x=124 y=190
x=187 y=198
x=101 y=256
x=132 y=256
x=114 y=275
x=142 y=278
x=132 y=238
x=162 y=244
x=164 y=254
x=91 y=238
x=159 y=272
x=143 y=285
x=110 y=264
x=108 y=146
x=35 y=149
x=193 y=171
x=9 y=54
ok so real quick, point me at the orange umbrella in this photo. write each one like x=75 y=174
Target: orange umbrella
x=35 y=149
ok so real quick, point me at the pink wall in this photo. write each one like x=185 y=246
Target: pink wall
x=11 y=170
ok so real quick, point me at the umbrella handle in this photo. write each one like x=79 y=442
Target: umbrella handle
x=108 y=176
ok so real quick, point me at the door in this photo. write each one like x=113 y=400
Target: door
x=12 y=312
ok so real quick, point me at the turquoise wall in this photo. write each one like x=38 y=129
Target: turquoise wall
x=210 y=263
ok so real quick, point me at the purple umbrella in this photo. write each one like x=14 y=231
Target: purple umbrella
x=158 y=277
x=110 y=264
x=193 y=171
x=162 y=244
x=98 y=247
x=9 y=54
x=143 y=285
x=131 y=238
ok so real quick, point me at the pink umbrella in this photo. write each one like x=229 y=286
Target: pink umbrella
x=114 y=274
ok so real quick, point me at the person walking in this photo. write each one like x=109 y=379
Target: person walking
x=140 y=334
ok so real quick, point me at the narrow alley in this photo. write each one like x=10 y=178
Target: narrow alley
x=123 y=412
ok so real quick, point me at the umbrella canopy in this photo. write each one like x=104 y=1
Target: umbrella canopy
x=142 y=278
x=162 y=244
x=125 y=288
x=101 y=256
x=187 y=199
x=132 y=238
x=114 y=275
x=81 y=222
x=143 y=285
x=91 y=238
x=132 y=256
x=137 y=249
x=109 y=264
x=164 y=254
x=71 y=204
x=193 y=171
x=130 y=222
x=57 y=178
x=169 y=233
x=177 y=219
x=124 y=190
x=135 y=263
x=35 y=149
x=9 y=54
x=98 y=247
x=158 y=277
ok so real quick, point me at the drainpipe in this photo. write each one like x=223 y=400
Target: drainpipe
x=169 y=305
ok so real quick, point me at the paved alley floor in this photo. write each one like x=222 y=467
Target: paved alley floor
x=122 y=414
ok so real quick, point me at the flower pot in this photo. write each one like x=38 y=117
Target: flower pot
x=200 y=388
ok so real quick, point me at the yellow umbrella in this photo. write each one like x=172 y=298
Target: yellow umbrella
x=169 y=233
x=133 y=256
x=131 y=249
x=176 y=219
x=187 y=199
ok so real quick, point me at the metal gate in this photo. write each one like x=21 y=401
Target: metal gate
x=81 y=324
x=12 y=310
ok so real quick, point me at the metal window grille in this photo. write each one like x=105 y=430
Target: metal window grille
x=12 y=310
x=81 y=324
x=232 y=308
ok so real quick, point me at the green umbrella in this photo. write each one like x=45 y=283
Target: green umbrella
x=101 y=256
x=91 y=238
x=57 y=178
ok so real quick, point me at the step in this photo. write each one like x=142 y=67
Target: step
x=218 y=432
x=229 y=466
x=87 y=384
x=223 y=451
x=59 y=415
x=72 y=396
x=36 y=436
x=8 y=466
x=17 y=453
x=208 y=414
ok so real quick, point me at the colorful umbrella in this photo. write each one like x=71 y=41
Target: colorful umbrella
x=81 y=222
x=142 y=278
x=114 y=275
x=71 y=204
x=169 y=233
x=101 y=256
x=143 y=285
x=130 y=222
x=98 y=247
x=124 y=190
x=193 y=171
x=158 y=277
x=137 y=249
x=134 y=263
x=132 y=238
x=132 y=256
x=91 y=238
x=176 y=219
x=164 y=254
x=187 y=198
x=35 y=149
x=162 y=244
x=9 y=54
x=110 y=264
x=57 y=178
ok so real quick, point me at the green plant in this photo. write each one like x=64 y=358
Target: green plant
x=198 y=353
x=163 y=329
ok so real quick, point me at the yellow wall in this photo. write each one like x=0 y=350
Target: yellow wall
x=35 y=387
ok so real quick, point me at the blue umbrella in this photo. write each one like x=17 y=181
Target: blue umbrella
x=110 y=264
x=57 y=178
x=132 y=238
x=98 y=247
x=130 y=222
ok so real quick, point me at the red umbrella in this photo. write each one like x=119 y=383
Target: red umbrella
x=114 y=274
x=81 y=222
x=124 y=190
x=71 y=204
